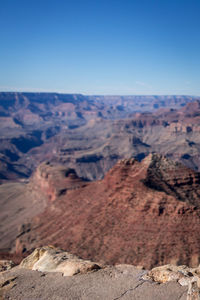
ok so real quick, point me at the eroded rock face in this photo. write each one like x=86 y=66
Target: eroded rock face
x=173 y=178
x=55 y=180
x=50 y=259
x=85 y=131
x=122 y=219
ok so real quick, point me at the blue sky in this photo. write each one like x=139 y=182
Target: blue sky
x=100 y=47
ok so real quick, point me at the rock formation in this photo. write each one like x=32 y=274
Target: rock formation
x=141 y=213
x=83 y=132
x=50 y=259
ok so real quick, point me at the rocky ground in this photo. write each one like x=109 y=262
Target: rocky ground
x=49 y=273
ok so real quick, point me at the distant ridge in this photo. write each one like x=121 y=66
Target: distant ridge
x=84 y=131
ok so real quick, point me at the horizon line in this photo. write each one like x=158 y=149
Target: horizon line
x=95 y=95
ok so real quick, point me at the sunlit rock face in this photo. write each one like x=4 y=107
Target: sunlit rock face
x=144 y=213
x=50 y=259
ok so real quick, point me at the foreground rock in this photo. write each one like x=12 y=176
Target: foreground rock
x=182 y=274
x=50 y=259
x=40 y=276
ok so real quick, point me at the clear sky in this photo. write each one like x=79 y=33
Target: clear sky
x=100 y=46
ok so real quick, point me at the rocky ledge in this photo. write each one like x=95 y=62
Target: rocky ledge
x=50 y=273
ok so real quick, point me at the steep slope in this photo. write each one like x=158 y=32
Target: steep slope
x=141 y=213
x=19 y=203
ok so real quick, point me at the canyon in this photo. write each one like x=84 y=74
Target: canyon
x=142 y=213
x=113 y=179
x=83 y=132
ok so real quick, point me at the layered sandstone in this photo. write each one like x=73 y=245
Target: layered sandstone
x=54 y=180
x=141 y=213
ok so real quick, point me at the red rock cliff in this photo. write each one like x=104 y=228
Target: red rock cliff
x=144 y=213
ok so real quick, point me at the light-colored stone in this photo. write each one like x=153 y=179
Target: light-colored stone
x=50 y=259
x=170 y=272
x=184 y=281
x=184 y=275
